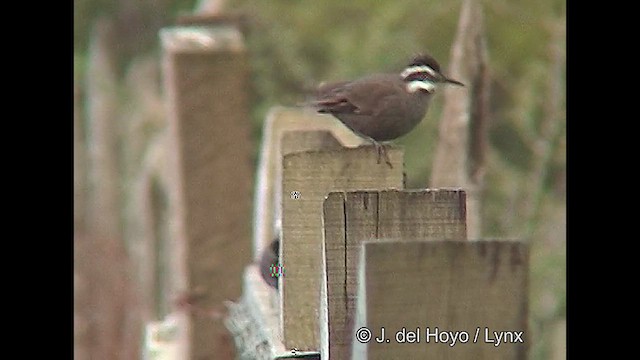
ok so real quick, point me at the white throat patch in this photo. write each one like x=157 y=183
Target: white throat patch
x=416 y=85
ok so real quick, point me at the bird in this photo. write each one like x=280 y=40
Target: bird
x=384 y=107
x=269 y=261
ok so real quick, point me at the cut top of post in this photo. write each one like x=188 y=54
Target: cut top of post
x=192 y=39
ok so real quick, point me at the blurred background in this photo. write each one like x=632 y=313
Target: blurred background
x=292 y=45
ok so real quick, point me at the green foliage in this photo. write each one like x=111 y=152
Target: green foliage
x=85 y=13
x=136 y=24
x=295 y=44
x=512 y=145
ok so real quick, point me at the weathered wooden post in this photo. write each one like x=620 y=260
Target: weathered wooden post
x=446 y=299
x=308 y=177
x=255 y=320
x=102 y=135
x=280 y=121
x=206 y=81
x=349 y=219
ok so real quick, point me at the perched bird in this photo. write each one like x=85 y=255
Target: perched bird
x=383 y=107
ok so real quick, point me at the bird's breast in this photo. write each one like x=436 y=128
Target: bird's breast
x=396 y=116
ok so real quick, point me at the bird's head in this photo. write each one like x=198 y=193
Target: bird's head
x=423 y=74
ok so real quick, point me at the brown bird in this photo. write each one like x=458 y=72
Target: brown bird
x=383 y=107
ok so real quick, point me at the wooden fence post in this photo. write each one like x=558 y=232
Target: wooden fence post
x=353 y=217
x=102 y=134
x=255 y=320
x=206 y=79
x=442 y=300
x=281 y=120
x=307 y=179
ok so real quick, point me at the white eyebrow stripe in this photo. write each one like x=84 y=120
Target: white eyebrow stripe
x=418 y=69
x=415 y=85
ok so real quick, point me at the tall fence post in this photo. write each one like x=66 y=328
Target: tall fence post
x=206 y=80
x=308 y=177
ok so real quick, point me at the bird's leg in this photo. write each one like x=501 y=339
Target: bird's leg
x=382 y=151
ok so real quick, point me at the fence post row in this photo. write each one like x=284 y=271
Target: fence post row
x=391 y=215
x=358 y=250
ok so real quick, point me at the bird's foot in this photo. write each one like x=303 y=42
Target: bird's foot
x=382 y=151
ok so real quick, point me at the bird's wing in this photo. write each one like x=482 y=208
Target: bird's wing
x=333 y=98
x=357 y=97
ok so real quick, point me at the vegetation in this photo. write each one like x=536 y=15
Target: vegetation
x=296 y=44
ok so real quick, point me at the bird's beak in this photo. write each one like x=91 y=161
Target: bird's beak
x=451 y=81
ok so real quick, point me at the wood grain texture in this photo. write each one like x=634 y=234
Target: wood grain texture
x=461 y=287
x=206 y=76
x=353 y=217
x=313 y=174
x=279 y=121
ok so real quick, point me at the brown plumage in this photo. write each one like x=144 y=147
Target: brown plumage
x=383 y=107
